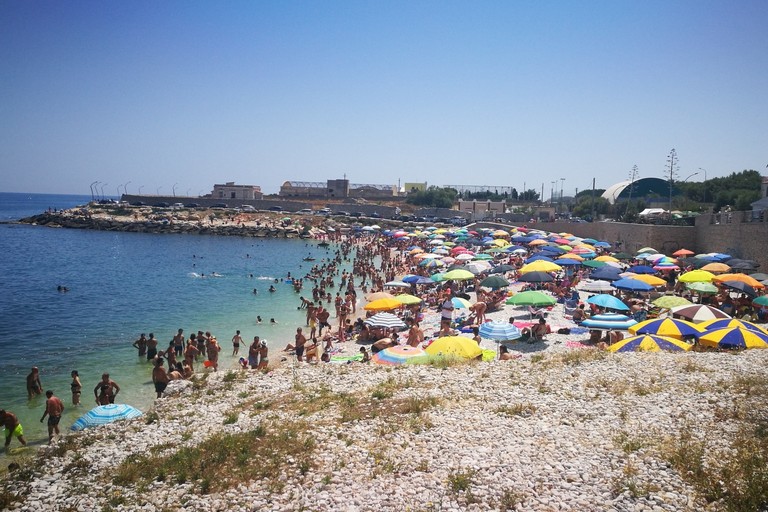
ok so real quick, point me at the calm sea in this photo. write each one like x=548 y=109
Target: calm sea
x=120 y=285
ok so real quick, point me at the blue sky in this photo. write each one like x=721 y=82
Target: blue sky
x=509 y=93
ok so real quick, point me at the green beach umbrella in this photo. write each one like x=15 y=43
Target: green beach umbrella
x=531 y=298
x=702 y=287
x=458 y=275
x=761 y=300
x=670 y=301
x=594 y=264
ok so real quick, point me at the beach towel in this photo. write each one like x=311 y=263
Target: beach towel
x=577 y=344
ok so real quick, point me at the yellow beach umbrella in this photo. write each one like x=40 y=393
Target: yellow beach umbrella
x=540 y=266
x=650 y=279
x=716 y=268
x=408 y=299
x=744 y=278
x=455 y=345
x=385 y=304
x=697 y=276
x=606 y=258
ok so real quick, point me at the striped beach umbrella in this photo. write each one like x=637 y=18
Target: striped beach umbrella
x=698 y=313
x=726 y=323
x=499 y=331
x=105 y=414
x=609 y=321
x=385 y=320
x=734 y=338
x=649 y=343
x=395 y=356
x=670 y=327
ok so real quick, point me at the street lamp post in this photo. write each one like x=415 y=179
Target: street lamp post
x=552 y=194
x=93 y=185
x=102 y=189
x=158 y=190
x=705 y=183
x=689 y=177
x=118 y=190
x=174 y=189
x=562 y=185
x=140 y=187
x=125 y=187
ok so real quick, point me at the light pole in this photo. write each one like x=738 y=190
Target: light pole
x=174 y=189
x=562 y=185
x=125 y=188
x=552 y=193
x=102 y=189
x=689 y=177
x=188 y=191
x=93 y=185
x=705 y=184
x=158 y=190
x=140 y=187
x=118 y=190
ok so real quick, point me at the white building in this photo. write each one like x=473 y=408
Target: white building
x=231 y=191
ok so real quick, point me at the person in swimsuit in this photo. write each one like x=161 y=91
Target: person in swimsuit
x=253 y=353
x=12 y=428
x=76 y=387
x=263 y=355
x=178 y=342
x=236 y=341
x=159 y=378
x=106 y=390
x=151 y=347
x=34 y=387
x=53 y=409
x=141 y=344
x=213 y=350
x=301 y=340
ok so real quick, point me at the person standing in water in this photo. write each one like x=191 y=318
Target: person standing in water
x=76 y=386
x=141 y=344
x=34 y=387
x=53 y=409
x=236 y=341
x=106 y=390
x=12 y=428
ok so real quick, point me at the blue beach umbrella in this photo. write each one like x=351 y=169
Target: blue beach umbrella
x=564 y=262
x=734 y=338
x=608 y=301
x=670 y=327
x=499 y=331
x=632 y=284
x=642 y=269
x=105 y=414
x=606 y=273
x=609 y=321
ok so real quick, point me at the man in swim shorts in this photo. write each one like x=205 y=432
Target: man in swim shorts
x=236 y=341
x=160 y=378
x=34 y=387
x=178 y=342
x=301 y=340
x=53 y=409
x=12 y=428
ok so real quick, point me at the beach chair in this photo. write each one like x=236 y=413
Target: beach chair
x=537 y=313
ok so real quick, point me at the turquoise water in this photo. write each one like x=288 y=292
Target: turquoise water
x=123 y=284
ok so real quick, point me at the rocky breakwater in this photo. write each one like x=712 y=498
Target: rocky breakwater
x=201 y=225
x=577 y=430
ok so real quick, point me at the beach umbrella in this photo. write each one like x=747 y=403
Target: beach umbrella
x=672 y=327
x=408 y=299
x=536 y=277
x=499 y=331
x=622 y=256
x=682 y=252
x=696 y=276
x=539 y=257
x=727 y=323
x=395 y=356
x=743 y=278
x=397 y=284
x=608 y=301
x=606 y=258
x=630 y=284
x=595 y=264
x=647 y=250
x=739 y=264
x=734 y=338
x=641 y=269
x=595 y=286
x=385 y=304
x=385 y=320
x=531 y=298
x=567 y=262
x=698 y=313
x=378 y=295
x=460 y=303
x=104 y=414
x=761 y=300
x=461 y=346
x=540 y=266
x=670 y=301
x=501 y=269
x=609 y=321
x=458 y=275
x=606 y=273
x=740 y=286
x=702 y=287
x=494 y=282
x=716 y=268
x=649 y=279
x=649 y=343
x=759 y=276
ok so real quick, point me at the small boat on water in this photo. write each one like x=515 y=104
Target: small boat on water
x=309 y=258
x=323 y=244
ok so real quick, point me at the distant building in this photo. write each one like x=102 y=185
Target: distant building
x=336 y=189
x=651 y=190
x=481 y=209
x=231 y=191
x=414 y=187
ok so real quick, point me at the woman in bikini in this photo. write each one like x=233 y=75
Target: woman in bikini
x=76 y=387
x=106 y=390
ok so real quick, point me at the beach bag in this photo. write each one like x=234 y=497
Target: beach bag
x=564 y=330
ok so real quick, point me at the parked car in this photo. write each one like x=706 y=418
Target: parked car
x=192 y=205
x=275 y=208
x=138 y=203
x=177 y=205
x=357 y=214
x=375 y=215
x=220 y=205
x=247 y=208
x=305 y=211
x=343 y=213
x=162 y=205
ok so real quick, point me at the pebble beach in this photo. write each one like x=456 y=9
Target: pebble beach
x=557 y=428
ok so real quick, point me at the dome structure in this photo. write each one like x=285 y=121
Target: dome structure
x=650 y=189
